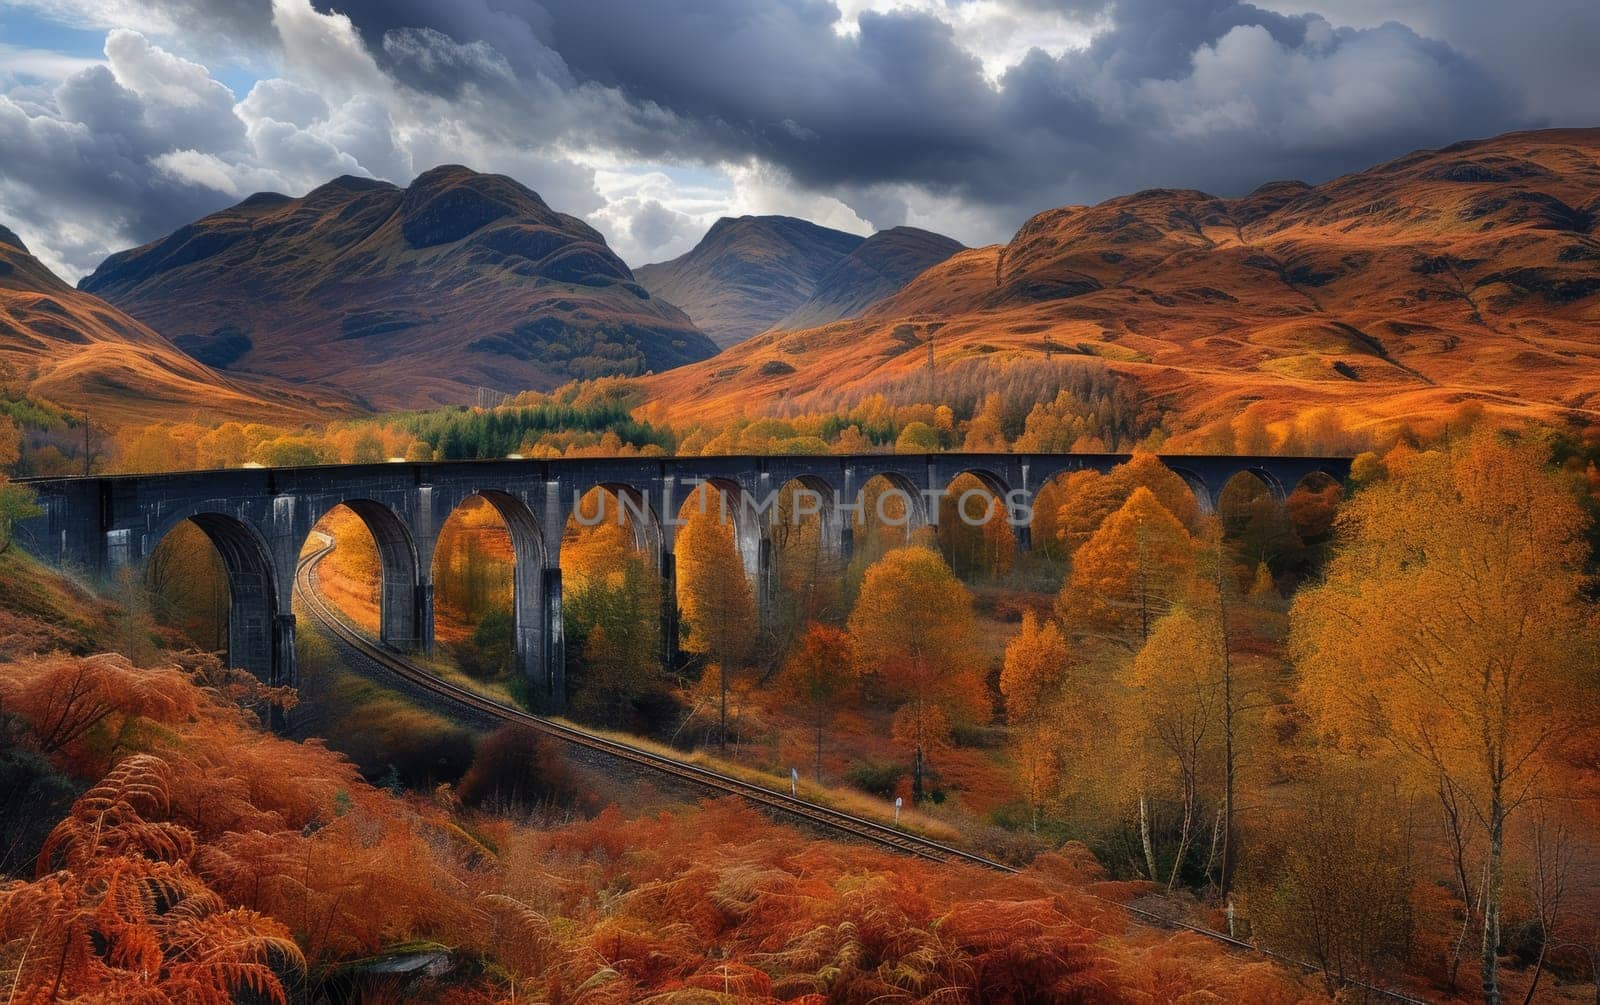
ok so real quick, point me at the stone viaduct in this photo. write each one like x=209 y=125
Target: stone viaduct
x=260 y=518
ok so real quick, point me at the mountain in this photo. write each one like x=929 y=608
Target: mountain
x=76 y=350
x=1470 y=272
x=754 y=272
x=878 y=267
x=406 y=296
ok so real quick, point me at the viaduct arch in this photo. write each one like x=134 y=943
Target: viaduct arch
x=259 y=518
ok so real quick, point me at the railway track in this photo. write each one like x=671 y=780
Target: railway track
x=704 y=778
x=774 y=800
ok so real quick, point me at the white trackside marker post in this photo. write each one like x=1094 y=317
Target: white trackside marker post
x=897 y=811
x=794 y=782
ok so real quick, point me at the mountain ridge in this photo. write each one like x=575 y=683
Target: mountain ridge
x=878 y=267
x=1471 y=272
x=751 y=273
x=408 y=296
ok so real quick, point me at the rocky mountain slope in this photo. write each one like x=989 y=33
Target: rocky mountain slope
x=76 y=350
x=755 y=272
x=405 y=296
x=1470 y=272
x=879 y=267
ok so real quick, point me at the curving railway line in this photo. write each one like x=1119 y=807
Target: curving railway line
x=782 y=802
x=716 y=782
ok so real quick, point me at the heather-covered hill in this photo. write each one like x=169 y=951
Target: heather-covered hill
x=76 y=350
x=757 y=272
x=1466 y=273
x=404 y=296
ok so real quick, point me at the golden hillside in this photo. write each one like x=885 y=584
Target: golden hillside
x=76 y=350
x=1467 y=273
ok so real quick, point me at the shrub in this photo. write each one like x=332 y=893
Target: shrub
x=517 y=768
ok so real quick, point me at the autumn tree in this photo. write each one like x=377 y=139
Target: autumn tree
x=16 y=501
x=1145 y=470
x=1133 y=569
x=818 y=679
x=913 y=629
x=1083 y=500
x=1336 y=886
x=10 y=442
x=974 y=532
x=1256 y=526
x=611 y=606
x=1312 y=507
x=1451 y=626
x=985 y=433
x=1217 y=600
x=917 y=438
x=1035 y=668
x=224 y=446
x=1176 y=682
x=807 y=568
x=367 y=448
x=1031 y=678
x=153 y=448
x=1045 y=529
x=716 y=599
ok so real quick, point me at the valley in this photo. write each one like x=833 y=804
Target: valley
x=1271 y=698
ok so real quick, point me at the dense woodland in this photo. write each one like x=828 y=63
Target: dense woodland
x=1357 y=726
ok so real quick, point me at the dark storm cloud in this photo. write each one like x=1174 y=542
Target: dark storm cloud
x=1246 y=109
x=1216 y=94
x=725 y=79
x=1545 y=49
x=895 y=119
x=1158 y=38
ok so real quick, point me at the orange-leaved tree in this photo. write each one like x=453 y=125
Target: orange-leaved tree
x=818 y=679
x=715 y=596
x=1145 y=470
x=1036 y=665
x=1083 y=500
x=913 y=629
x=1035 y=668
x=1451 y=624
x=1133 y=569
